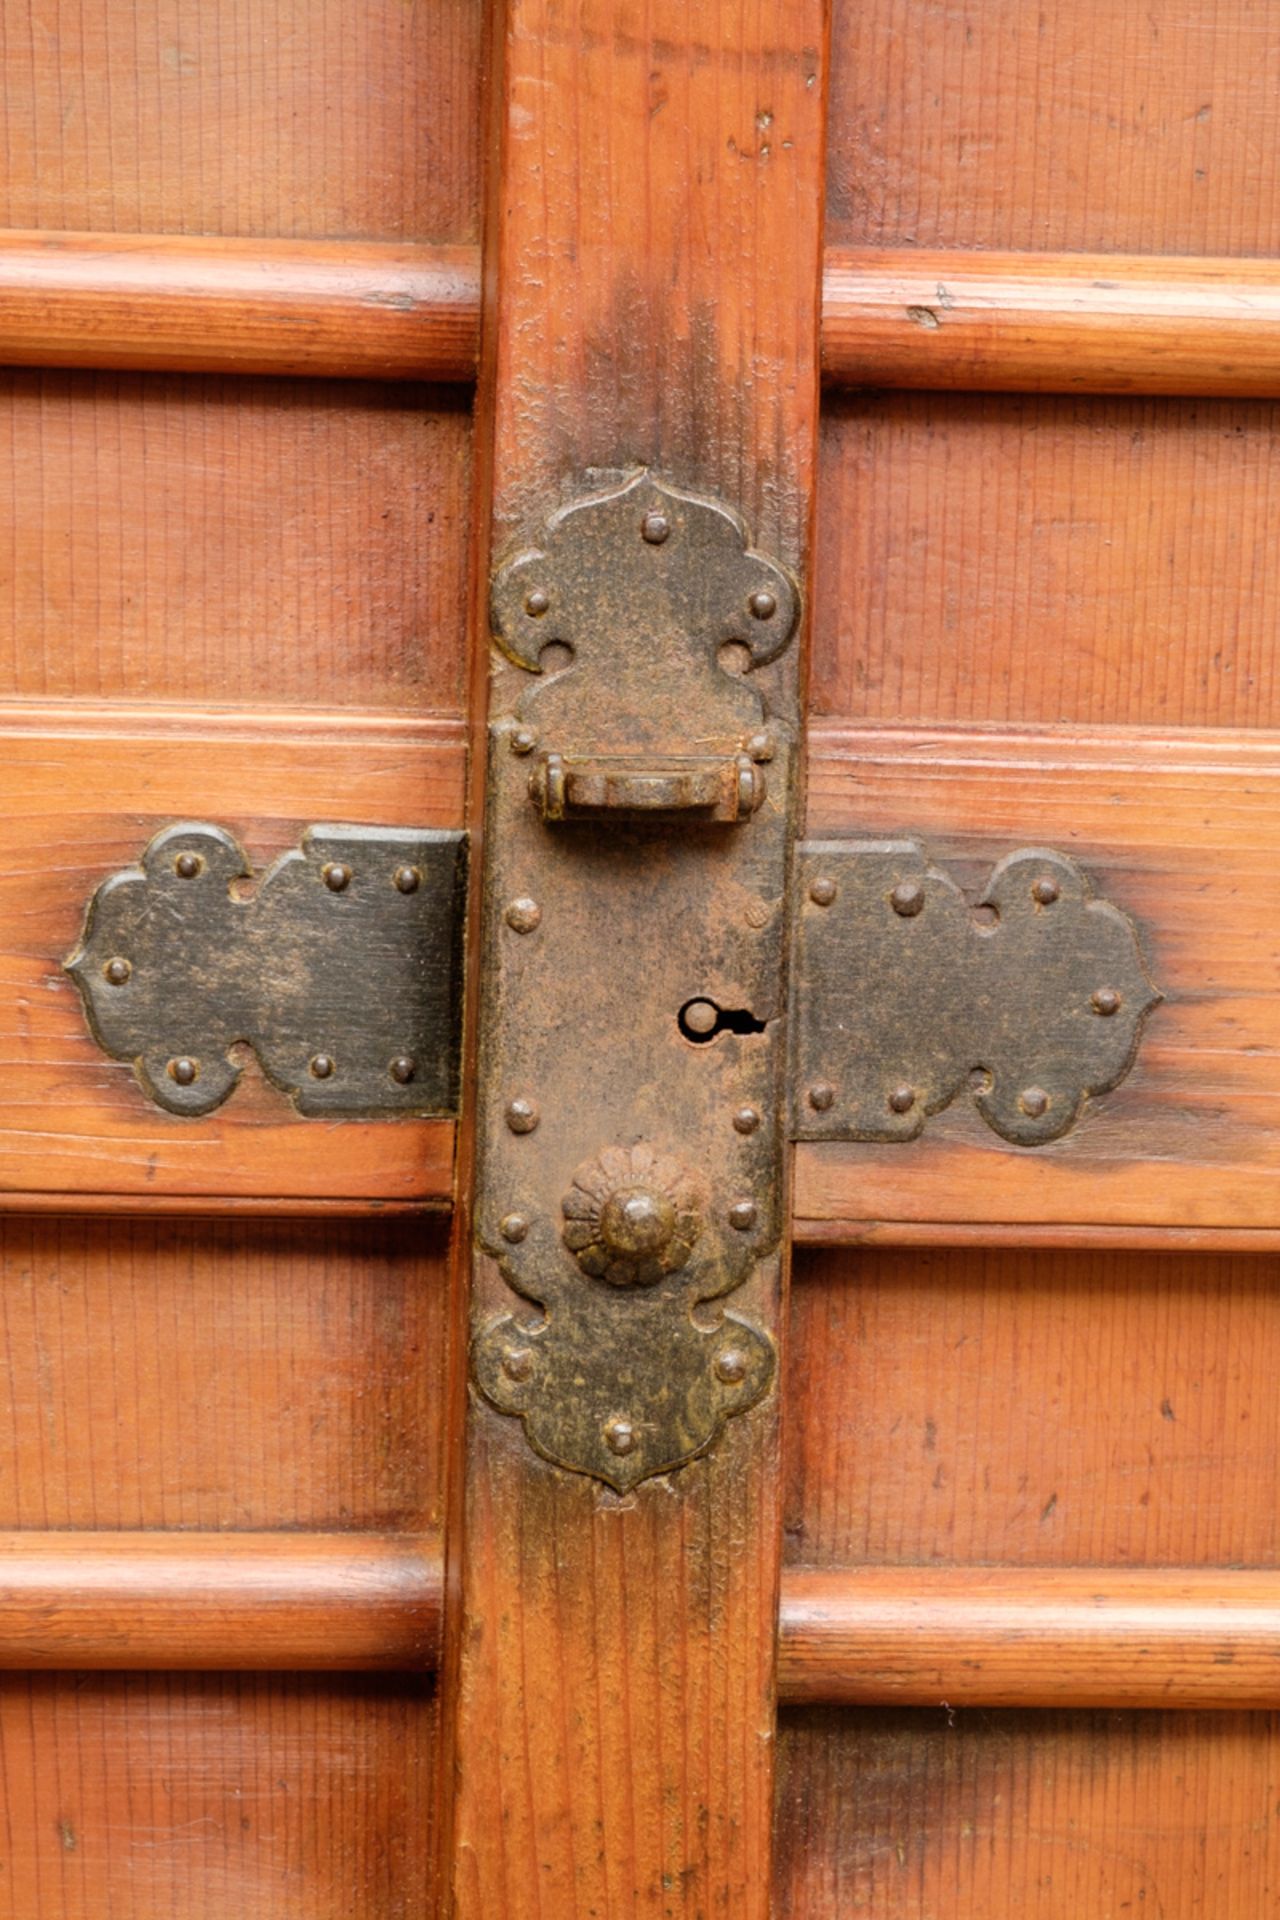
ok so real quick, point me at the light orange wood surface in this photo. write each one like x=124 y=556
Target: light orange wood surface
x=1010 y=1637
x=191 y=1794
x=1034 y=560
x=282 y=1602
x=280 y=121
x=215 y=540
x=948 y=1815
x=157 y=302
x=84 y=787
x=1082 y=126
x=1052 y=323
x=1034 y=1409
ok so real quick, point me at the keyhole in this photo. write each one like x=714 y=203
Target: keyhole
x=701 y=1020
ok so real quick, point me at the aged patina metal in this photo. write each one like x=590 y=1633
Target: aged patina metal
x=904 y=994
x=341 y=969
x=631 y=1029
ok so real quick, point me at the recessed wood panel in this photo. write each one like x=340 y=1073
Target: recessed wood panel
x=189 y=1374
x=1034 y=1409
x=1085 y=125
x=254 y=117
x=83 y=788
x=1024 y=559
x=1002 y=1816
x=186 y=1797
x=1182 y=832
x=205 y=538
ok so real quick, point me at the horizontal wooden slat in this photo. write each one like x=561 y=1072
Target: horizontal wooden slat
x=1051 y=323
x=325 y=1602
x=1182 y=831
x=1008 y=322
x=347 y=309
x=83 y=787
x=1018 y=1637
x=959 y=1636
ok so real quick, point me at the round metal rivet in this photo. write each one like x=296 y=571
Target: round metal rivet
x=822 y=891
x=761 y=748
x=408 y=879
x=523 y=740
x=743 y=1215
x=336 y=877
x=746 y=1120
x=619 y=1436
x=523 y=915
x=821 y=1095
x=187 y=865
x=731 y=1365
x=514 y=1228
x=183 y=1070
x=1034 y=1102
x=116 y=972
x=763 y=605
x=656 y=528
x=902 y=1099
x=1045 y=891
x=518 y=1363
x=402 y=1069
x=522 y=1116
x=537 y=602
x=1106 y=1001
x=907 y=898
x=701 y=1016
x=321 y=1065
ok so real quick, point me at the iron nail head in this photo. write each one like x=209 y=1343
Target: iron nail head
x=523 y=915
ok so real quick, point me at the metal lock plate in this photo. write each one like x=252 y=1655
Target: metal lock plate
x=635 y=920
x=341 y=969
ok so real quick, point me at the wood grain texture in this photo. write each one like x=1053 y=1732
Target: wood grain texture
x=910 y=1815
x=203 y=1375
x=1034 y=1410
x=1013 y=1637
x=1024 y=560
x=1084 y=127
x=308 y=118
x=1179 y=830
x=84 y=787
x=185 y=1797
x=326 y=308
x=210 y=539
x=219 y=1602
x=657 y=262
x=1049 y=323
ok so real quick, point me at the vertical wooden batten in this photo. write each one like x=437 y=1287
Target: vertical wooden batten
x=657 y=242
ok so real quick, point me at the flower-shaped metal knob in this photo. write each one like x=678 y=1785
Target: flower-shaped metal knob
x=631 y=1216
